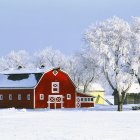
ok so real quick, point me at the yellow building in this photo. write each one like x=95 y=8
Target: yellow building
x=96 y=91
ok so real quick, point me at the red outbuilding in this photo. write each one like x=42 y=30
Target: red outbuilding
x=51 y=89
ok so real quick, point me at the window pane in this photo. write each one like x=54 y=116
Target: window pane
x=41 y=96
x=81 y=99
x=28 y=96
x=55 y=87
x=85 y=99
x=68 y=96
x=1 y=97
x=19 y=96
x=10 y=96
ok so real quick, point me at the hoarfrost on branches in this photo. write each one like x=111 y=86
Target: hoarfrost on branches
x=111 y=42
x=49 y=58
x=15 y=60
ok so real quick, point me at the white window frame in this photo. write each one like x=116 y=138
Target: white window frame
x=1 y=97
x=19 y=96
x=55 y=72
x=57 y=87
x=82 y=98
x=92 y=99
x=89 y=99
x=41 y=96
x=68 y=96
x=10 y=96
x=28 y=97
x=86 y=99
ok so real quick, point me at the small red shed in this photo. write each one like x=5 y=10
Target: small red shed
x=84 y=100
x=51 y=89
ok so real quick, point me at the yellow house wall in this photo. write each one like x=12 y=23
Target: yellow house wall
x=97 y=94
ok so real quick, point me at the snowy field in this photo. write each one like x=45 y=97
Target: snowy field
x=70 y=124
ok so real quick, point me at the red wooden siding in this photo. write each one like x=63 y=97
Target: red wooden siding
x=45 y=87
x=23 y=103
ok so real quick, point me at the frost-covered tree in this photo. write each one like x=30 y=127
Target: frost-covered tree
x=16 y=60
x=72 y=68
x=111 y=44
x=82 y=70
x=3 y=65
x=135 y=49
x=49 y=58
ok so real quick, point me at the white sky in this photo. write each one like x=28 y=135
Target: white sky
x=35 y=24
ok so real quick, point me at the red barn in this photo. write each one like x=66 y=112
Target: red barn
x=52 y=89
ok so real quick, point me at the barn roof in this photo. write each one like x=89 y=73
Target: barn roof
x=84 y=94
x=19 y=79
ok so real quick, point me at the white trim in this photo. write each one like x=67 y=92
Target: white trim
x=57 y=87
x=69 y=78
x=58 y=72
x=78 y=104
x=68 y=96
x=43 y=76
x=34 y=99
x=55 y=73
x=55 y=95
x=87 y=99
x=55 y=102
x=11 y=88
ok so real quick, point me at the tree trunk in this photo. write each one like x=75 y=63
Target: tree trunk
x=137 y=78
x=139 y=81
x=120 y=106
x=120 y=103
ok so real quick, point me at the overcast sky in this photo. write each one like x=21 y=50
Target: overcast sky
x=35 y=24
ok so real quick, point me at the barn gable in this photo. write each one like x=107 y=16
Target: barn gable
x=55 y=84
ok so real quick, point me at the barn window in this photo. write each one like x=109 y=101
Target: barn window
x=89 y=99
x=82 y=99
x=68 y=96
x=10 y=96
x=28 y=96
x=41 y=96
x=1 y=97
x=55 y=87
x=85 y=99
x=55 y=72
x=19 y=96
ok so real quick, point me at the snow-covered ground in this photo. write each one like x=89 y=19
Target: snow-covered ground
x=70 y=124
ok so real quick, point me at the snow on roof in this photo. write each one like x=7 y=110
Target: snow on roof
x=95 y=87
x=24 y=78
x=21 y=71
x=91 y=87
x=29 y=81
x=135 y=88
